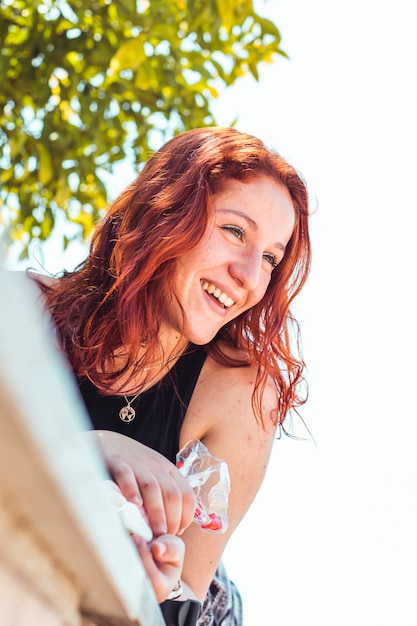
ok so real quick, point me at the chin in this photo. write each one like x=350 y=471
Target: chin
x=199 y=338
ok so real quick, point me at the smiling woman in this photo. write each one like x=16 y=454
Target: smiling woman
x=180 y=318
x=234 y=260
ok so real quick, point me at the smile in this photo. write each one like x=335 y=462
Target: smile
x=217 y=293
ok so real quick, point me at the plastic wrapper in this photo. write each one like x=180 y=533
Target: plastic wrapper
x=209 y=478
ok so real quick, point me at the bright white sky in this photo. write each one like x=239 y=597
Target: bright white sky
x=331 y=538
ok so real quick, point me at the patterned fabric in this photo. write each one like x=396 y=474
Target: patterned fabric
x=223 y=604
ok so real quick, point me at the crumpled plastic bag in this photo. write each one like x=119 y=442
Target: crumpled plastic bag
x=209 y=478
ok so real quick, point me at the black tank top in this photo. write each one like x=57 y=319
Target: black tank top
x=160 y=410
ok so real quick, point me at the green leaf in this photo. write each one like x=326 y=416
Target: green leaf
x=47 y=224
x=130 y=55
x=17 y=36
x=269 y=27
x=83 y=90
x=45 y=165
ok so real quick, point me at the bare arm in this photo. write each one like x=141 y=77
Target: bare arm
x=220 y=414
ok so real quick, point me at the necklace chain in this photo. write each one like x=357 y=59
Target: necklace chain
x=152 y=367
x=127 y=413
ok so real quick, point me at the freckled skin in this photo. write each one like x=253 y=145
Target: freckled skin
x=239 y=264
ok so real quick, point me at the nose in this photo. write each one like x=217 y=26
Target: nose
x=246 y=270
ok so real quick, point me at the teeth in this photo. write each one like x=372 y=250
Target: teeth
x=217 y=293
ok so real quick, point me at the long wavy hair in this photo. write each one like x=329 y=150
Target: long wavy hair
x=115 y=300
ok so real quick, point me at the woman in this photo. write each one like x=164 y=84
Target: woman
x=178 y=327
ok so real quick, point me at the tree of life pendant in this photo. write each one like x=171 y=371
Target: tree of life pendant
x=127 y=413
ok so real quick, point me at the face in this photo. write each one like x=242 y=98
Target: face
x=229 y=270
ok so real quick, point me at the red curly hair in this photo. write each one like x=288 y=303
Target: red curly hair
x=115 y=300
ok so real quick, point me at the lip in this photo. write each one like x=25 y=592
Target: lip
x=218 y=305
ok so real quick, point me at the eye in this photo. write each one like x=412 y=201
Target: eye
x=272 y=259
x=237 y=231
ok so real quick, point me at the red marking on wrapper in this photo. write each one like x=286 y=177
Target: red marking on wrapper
x=198 y=511
x=215 y=523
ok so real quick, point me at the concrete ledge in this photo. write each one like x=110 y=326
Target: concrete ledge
x=50 y=473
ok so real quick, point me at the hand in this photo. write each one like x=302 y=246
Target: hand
x=149 y=480
x=163 y=560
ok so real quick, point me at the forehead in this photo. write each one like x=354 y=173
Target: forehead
x=256 y=181
x=262 y=205
x=258 y=194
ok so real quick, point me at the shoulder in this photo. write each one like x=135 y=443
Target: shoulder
x=235 y=383
x=43 y=280
x=223 y=398
x=221 y=415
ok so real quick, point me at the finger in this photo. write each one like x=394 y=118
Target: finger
x=184 y=509
x=163 y=576
x=151 y=492
x=168 y=549
x=125 y=478
x=160 y=586
x=178 y=500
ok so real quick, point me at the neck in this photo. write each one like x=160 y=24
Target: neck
x=161 y=365
x=145 y=373
x=169 y=348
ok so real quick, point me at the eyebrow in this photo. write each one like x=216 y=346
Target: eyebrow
x=251 y=222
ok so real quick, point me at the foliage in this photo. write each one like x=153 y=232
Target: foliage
x=83 y=85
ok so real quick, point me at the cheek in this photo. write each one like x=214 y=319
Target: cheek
x=257 y=294
x=203 y=257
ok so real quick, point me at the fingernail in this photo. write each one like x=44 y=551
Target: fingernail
x=162 y=548
x=161 y=529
